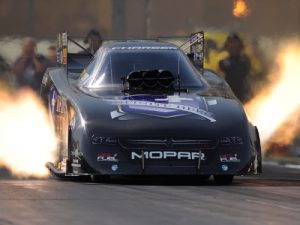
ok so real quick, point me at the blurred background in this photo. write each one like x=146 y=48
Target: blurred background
x=268 y=29
x=145 y=18
x=140 y=19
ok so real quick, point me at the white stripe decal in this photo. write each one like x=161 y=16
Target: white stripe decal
x=197 y=111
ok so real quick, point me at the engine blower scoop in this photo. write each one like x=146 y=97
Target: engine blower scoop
x=150 y=80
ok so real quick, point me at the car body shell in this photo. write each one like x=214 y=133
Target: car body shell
x=108 y=131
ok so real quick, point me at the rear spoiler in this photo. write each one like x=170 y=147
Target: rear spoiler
x=73 y=62
x=192 y=45
x=197 y=48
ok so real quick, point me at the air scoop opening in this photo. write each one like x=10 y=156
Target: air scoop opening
x=149 y=80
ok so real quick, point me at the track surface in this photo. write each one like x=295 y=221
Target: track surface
x=272 y=198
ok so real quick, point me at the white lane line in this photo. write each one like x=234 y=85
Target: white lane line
x=271 y=163
x=271 y=204
x=287 y=165
x=292 y=166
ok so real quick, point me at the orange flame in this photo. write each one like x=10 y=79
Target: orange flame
x=276 y=110
x=27 y=139
x=240 y=8
x=286 y=133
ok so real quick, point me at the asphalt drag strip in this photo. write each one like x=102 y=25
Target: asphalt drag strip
x=271 y=198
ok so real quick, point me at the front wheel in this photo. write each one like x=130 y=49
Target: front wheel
x=223 y=179
x=203 y=177
x=100 y=178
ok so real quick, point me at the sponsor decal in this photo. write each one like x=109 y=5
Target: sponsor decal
x=114 y=167
x=144 y=48
x=224 y=167
x=61 y=105
x=211 y=102
x=167 y=155
x=96 y=140
x=57 y=104
x=231 y=141
x=229 y=158
x=77 y=153
x=107 y=157
x=52 y=101
x=173 y=99
x=75 y=165
x=164 y=106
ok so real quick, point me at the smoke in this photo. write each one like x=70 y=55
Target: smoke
x=27 y=138
x=285 y=134
x=276 y=109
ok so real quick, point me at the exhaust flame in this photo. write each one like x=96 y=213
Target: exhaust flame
x=27 y=139
x=276 y=110
x=240 y=8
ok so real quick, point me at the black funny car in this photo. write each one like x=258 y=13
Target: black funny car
x=141 y=107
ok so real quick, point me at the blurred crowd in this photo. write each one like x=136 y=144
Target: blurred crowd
x=28 y=68
x=242 y=65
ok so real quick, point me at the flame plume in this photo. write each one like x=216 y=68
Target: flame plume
x=276 y=110
x=27 y=139
x=240 y=8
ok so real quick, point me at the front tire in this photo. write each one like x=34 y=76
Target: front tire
x=203 y=178
x=100 y=178
x=223 y=179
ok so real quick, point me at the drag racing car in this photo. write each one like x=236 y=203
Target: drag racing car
x=141 y=107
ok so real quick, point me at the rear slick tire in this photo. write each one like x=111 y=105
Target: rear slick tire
x=223 y=179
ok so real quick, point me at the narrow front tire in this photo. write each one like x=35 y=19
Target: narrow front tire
x=100 y=178
x=223 y=179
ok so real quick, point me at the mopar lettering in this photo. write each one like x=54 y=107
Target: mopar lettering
x=167 y=155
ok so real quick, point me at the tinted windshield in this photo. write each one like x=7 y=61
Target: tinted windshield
x=108 y=68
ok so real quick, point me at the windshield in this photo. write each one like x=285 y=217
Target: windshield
x=108 y=68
